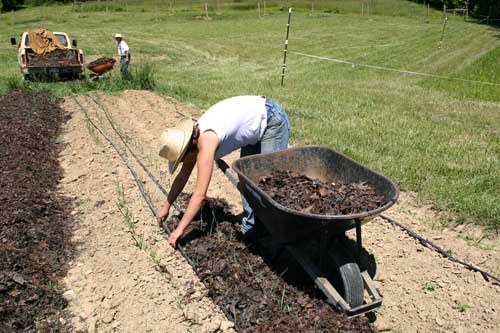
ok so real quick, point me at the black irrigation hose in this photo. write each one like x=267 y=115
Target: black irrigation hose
x=158 y=184
x=145 y=196
x=132 y=171
x=413 y=234
x=438 y=249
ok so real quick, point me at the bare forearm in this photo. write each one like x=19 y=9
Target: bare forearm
x=177 y=187
x=192 y=209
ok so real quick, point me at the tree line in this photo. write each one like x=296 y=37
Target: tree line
x=488 y=8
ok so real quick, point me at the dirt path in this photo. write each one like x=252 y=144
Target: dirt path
x=113 y=284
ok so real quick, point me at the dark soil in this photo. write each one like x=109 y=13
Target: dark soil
x=257 y=293
x=35 y=219
x=99 y=61
x=301 y=193
x=56 y=58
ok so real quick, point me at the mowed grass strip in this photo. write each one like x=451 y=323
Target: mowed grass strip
x=437 y=137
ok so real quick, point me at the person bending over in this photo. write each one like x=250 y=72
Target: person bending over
x=254 y=124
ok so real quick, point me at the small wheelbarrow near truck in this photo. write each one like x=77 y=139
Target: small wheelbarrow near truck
x=317 y=242
x=99 y=67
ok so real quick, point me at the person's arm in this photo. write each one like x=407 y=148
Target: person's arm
x=207 y=144
x=177 y=187
x=127 y=58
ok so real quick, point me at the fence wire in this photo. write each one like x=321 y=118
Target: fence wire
x=401 y=71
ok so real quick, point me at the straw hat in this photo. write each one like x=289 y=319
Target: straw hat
x=118 y=36
x=175 y=141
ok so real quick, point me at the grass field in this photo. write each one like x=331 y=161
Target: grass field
x=438 y=137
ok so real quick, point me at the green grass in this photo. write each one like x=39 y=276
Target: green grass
x=438 y=137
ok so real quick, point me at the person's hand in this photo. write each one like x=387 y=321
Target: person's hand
x=162 y=214
x=174 y=236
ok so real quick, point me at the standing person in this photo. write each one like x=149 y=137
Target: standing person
x=124 y=53
x=256 y=124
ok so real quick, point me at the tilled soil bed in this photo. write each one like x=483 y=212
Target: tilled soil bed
x=259 y=296
x=301 y=193
x=35 y=220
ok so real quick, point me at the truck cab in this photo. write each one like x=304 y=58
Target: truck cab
x=70 y=67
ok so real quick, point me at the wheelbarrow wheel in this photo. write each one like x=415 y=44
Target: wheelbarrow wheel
x=347 y=275
x=352 y=282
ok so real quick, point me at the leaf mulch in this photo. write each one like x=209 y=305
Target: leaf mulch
x=307 y=195
x=257 y=293
x=102 y=60
x=56 y=58
x=35 y=220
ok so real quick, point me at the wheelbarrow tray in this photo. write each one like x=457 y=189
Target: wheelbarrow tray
x=316 y=162
x=102 y=67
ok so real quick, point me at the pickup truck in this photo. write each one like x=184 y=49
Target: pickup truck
x=62 y=63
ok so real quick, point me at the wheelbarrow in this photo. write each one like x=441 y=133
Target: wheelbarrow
x=317 y=242
x=100 y=67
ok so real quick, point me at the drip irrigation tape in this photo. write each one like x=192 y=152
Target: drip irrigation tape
x=137 y=179
x=145 y=196
x=150 y=175
x=438 y=249
x=401 y=71
x=487 y=276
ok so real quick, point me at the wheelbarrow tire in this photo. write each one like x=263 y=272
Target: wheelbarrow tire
x=352 y=282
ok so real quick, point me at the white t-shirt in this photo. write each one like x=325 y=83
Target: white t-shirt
x=122 y=47
x=238 y=121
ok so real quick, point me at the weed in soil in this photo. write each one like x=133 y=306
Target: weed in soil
x=35 y=220
x=256 y=295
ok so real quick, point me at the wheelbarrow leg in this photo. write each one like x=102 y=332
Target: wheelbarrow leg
x=359 y=242
x=323 y=245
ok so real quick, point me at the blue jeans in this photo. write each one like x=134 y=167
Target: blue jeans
x=275 y=138
x=123 y=66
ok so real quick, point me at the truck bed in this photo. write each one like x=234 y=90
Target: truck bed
x=54 y=59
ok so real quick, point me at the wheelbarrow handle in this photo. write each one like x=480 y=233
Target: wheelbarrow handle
x=230 y=174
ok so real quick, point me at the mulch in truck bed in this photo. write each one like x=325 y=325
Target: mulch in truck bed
x=56 y=58
x=307 y=195
x=35 y=220
x=257 y=293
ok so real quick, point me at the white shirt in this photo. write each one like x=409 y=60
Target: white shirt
x=122 y=47
x=237 y=121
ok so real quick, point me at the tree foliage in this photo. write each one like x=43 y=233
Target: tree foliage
x=8 y=5
x=490 y=8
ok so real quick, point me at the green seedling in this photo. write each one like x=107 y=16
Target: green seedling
x=463 y=307
x=282 y=301
x=429 y=286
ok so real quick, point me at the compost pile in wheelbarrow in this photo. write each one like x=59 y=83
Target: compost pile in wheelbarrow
x=100 y=61
x=256 y=296
x=35 y=219
x=301 y=193
x=56 y=58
